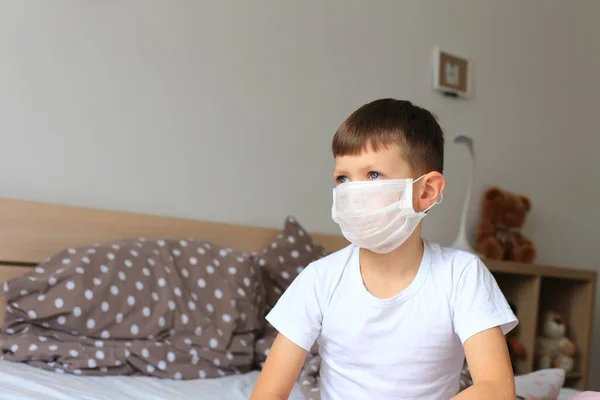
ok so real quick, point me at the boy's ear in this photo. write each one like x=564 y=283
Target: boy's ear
x=432 y=189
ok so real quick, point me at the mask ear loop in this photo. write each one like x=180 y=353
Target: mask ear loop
x=438 y=201
x=419 y=178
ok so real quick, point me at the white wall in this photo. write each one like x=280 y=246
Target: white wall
x=226 y=111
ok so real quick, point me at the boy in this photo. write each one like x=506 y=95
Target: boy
x=394 y=315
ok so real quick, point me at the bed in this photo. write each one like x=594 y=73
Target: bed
x=44 y=250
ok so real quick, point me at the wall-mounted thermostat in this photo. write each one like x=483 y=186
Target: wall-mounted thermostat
x=451 y=74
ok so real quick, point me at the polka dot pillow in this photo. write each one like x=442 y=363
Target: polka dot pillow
x=179 y=309
x=288 y=254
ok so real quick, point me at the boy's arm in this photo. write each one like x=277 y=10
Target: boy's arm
x=297 y=317
x=490 y=367
x=281 y=370
x=482 y=317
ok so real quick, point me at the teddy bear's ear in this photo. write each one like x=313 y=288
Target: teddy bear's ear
x=526 y=203
x=494 y=193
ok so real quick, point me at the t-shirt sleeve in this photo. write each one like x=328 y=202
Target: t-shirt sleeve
x=479 y=303
x=297 y=315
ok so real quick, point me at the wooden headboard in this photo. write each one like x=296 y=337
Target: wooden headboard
x=31 y=231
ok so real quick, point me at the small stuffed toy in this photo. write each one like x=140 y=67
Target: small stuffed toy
x=553 y=349
x=515 y=348
x=498 y=235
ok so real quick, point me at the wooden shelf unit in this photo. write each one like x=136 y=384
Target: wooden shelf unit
x=535 y=289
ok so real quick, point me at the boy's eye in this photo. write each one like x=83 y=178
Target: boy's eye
x=374 y=175
x=341 y=179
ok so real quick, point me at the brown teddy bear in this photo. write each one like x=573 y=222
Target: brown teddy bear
x=498 y=235
x=552 y=348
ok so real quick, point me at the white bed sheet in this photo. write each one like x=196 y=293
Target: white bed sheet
x=23 y=382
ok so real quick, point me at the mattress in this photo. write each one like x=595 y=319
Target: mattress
x=23 y=382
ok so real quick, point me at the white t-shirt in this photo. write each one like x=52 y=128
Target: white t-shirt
x=406 y=347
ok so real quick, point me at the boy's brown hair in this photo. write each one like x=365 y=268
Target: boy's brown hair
x=386 y=121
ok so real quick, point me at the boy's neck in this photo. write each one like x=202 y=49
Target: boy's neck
x=400 y=262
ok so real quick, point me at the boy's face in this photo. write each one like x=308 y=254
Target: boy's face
x=388 y=163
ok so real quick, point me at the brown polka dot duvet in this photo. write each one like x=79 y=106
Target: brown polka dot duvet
x=171 y=308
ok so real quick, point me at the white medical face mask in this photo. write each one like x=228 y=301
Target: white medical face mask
x=376 y=215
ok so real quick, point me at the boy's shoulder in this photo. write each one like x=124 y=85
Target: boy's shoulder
x=323 y=274
x=451 y=269
x=446 y=260
x=333 y=262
